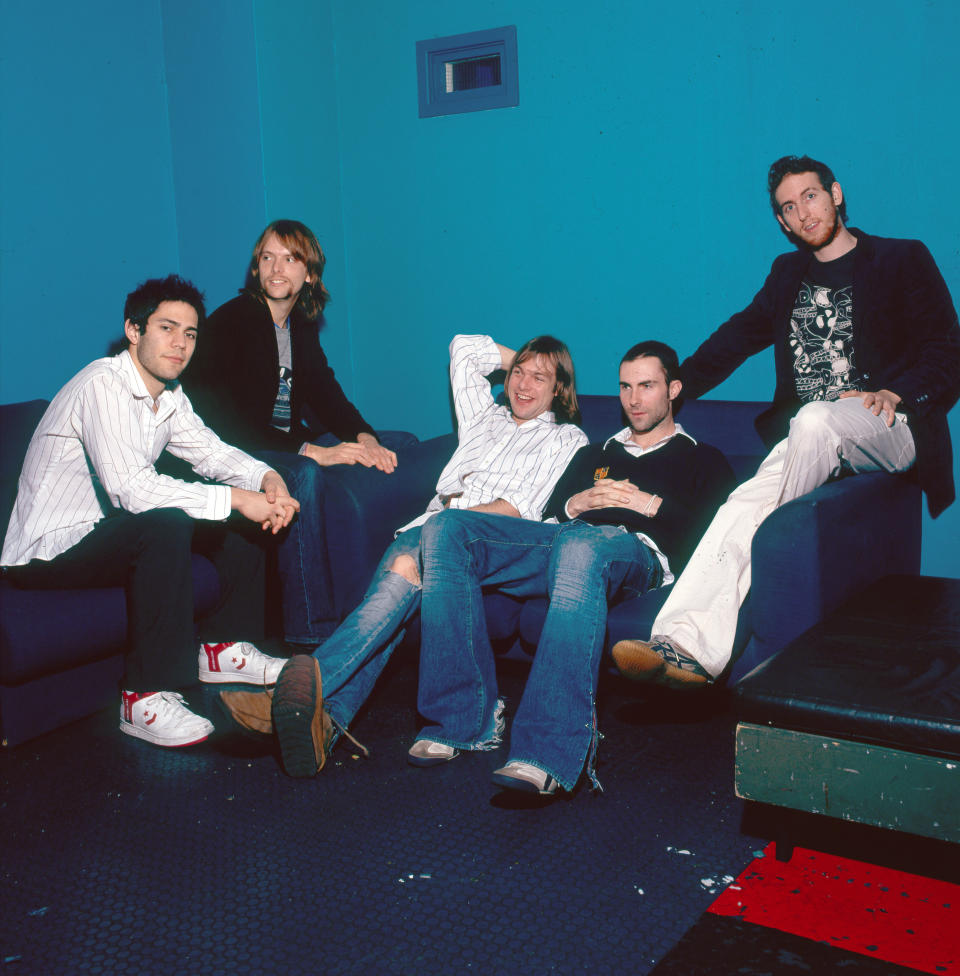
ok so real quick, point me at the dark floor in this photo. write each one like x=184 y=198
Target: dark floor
x=119 y=857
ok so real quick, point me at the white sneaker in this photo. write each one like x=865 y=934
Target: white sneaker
x=238 y=662
x=526 y=777
x=163 y=719
x=426 y=752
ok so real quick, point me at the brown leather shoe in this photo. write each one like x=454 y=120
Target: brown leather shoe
x=249 y=709
x=302 y=726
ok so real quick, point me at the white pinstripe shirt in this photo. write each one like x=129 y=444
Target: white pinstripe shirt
x=497 y=457
x=94 y=451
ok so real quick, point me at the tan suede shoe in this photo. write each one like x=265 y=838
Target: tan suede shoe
x=249 y=709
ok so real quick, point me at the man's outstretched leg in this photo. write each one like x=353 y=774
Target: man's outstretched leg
x=317 y=695
x=694 y=632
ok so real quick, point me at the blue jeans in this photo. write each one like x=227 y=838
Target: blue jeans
x=582 y=568
x=311 y=611
x=352 y=658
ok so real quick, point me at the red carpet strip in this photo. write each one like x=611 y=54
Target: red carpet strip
x=889 y=915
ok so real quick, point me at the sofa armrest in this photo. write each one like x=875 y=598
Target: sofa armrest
x=813 y=553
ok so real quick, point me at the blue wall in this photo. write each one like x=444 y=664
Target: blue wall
x=624 y=197
x=88 y=196
x=210 y=60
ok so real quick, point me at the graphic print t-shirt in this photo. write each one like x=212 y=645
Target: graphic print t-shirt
x=821 y=331
x=281 y=406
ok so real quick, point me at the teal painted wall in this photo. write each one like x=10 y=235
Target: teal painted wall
x=88 y=197
x=210 y=60
x=624 y=197
x=300 y=122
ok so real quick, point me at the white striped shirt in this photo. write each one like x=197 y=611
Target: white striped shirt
x=94 y=451
x=496 y=457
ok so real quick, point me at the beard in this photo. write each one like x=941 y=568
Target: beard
x=825 y=234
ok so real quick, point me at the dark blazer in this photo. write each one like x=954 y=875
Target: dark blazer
x=905 y=334
x=232 y=380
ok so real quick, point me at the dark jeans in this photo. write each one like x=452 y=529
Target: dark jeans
x=149 y=554
x=313 y=605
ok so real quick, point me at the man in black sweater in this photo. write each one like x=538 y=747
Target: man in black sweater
x=261 y=380
x=624 y=517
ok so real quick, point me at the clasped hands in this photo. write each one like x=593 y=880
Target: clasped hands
x=273 y=507
x=610 y=493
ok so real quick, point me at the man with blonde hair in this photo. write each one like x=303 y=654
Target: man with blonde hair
x=260 y=378
x=506 y=463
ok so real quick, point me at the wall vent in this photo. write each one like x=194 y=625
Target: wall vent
x=468 y=72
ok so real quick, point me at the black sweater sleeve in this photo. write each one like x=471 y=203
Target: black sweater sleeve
x=577 y=476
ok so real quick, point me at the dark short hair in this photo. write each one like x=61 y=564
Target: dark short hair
x=147 y=297
x=660 y=350
x=790 y=165
x=303 y=245
x=565 y=405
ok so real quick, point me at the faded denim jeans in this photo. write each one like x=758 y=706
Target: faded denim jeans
x=581 y=568
x=353 y=657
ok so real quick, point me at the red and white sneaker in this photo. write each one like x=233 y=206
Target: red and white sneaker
x=162 y=718
x=238 y=662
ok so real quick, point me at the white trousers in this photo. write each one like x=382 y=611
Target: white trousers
x=700 y=613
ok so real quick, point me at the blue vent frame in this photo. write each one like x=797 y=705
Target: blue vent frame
x=433 y=55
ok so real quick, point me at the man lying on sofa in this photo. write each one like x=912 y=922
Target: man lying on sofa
x=506 y=463
x=628 y=513
x=91 y=510
x=867 y=352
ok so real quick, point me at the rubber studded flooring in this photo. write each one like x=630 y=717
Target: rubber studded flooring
x=119 y=857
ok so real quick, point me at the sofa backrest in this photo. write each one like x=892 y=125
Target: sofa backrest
x=726 y=424
x=18 y=421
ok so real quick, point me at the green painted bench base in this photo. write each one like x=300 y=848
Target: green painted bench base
x=870 y=784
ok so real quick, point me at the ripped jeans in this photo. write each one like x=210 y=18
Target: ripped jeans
x=353 y=656
x=581 y=568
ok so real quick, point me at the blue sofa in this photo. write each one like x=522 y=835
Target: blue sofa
x=809 y=556
x=61 y=652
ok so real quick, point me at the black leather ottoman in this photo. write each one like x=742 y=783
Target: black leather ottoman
x=859 y=718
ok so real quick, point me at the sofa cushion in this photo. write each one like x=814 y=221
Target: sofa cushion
x=45 y=631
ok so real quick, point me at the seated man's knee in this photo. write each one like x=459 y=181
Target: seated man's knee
x=576 y=551
x=442 y=529
x=303 y=477
x=406 y=566
x=814 y=421
x=815 y=414
x=159 y=521
x=164 y=529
